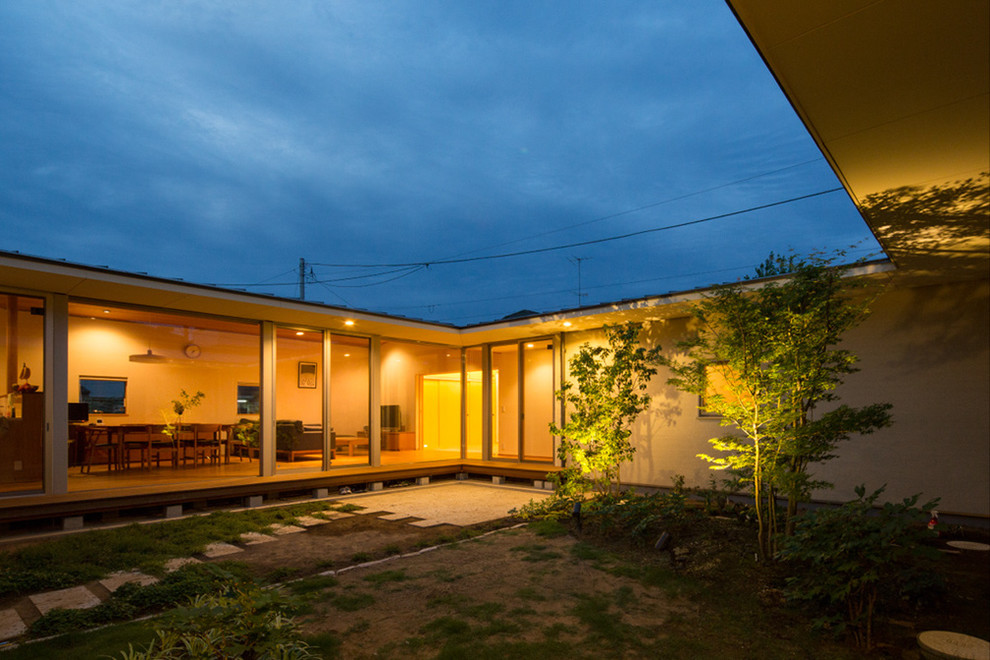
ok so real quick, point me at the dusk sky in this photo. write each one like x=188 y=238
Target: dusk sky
x=220 y=142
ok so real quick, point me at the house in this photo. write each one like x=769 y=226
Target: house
x=301 y=396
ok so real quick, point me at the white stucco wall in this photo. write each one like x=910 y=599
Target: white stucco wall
x=925 y=350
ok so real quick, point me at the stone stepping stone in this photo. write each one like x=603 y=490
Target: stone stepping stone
x=969 y=545
x=172 y=565
x=335 y=515
x=945 y=644
x=11 y=625
x=116 y=580
x=394 y=516
x=74 y=598
x=426 y=523
x=220 y=549
x=310 y=521
x=282 y=530
x=254 y=538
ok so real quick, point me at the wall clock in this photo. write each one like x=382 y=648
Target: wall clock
x=192 y=351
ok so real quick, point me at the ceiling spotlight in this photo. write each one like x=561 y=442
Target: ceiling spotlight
x=348 y=322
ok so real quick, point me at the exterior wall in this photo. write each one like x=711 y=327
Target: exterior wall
x=925 y=350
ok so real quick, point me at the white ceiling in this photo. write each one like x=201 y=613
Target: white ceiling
x=897 y=95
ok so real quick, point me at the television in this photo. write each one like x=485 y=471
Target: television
x=78 y=412
x=391 y=417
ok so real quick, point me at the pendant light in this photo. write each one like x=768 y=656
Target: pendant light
x=148 y=357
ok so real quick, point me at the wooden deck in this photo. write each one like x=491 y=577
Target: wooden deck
x=115 y=492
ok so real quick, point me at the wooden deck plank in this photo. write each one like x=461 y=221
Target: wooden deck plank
x=106 y=497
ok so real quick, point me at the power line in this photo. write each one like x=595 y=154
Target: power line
x=598 y=241
x=408 y=268
x=646 y=206
x=609 y=285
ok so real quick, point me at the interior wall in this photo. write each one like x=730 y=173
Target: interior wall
x=100 y=348
x=538 y=363
x=30 y=347
x=291 y=401
x=505 y=434
x=349 y=387
x=441 y=408
x=475 y=415
x=404 y=365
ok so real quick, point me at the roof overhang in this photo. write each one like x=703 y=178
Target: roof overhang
x=38 y=276
x=897 y=95
x=33 y=274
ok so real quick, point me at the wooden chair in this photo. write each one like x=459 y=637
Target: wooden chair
x=205 y=442
x=135 y=437
x=163 y=445
x=99 y=439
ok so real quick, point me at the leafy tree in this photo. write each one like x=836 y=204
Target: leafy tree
x=607 y=392
x=765 y=358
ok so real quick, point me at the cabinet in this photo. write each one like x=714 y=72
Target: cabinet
x=22 y=438
x=399 y=440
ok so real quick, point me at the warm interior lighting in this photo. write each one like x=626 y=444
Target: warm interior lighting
x=567 y=324
x=106 y=311
x=300 y=333
x=348 y=322
x=146 y=357
x=529 y=346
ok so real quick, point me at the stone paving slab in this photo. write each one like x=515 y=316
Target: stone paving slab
x=11 y=625
x=451 y=503
x=175 y=564
x=282 y=530
x=335 y=515
x=116 y=580
x=310 y=521
x=969 y=545
x=254 y=538
x=220 y=549
x=74 y=598
x=394 y=516
x=425 y=523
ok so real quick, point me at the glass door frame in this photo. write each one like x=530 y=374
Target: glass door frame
x=488 y=434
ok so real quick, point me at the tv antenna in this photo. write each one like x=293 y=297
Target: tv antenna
x=578 y=260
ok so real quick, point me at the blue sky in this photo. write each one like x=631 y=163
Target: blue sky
x=220 y=142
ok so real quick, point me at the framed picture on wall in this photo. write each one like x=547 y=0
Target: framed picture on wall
x=307 y=375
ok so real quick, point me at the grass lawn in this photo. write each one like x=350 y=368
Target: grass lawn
x=530 y=592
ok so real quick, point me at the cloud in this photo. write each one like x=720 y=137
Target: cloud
x=237 y=137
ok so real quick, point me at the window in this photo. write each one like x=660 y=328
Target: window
x=722 y=381
x=248 y=400
x=104 y=395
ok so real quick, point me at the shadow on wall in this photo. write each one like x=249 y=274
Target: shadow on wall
x=935 y=230
x=929 y=327
x=657 y=453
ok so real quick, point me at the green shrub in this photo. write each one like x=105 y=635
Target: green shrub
x=854 y=560
x=639 y=516
x=555 y=507
x=247 y=622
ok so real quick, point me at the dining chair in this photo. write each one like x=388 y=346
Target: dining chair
x=99 y=439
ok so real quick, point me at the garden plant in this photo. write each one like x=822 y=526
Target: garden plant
x=606 y=394
x=765 y=359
